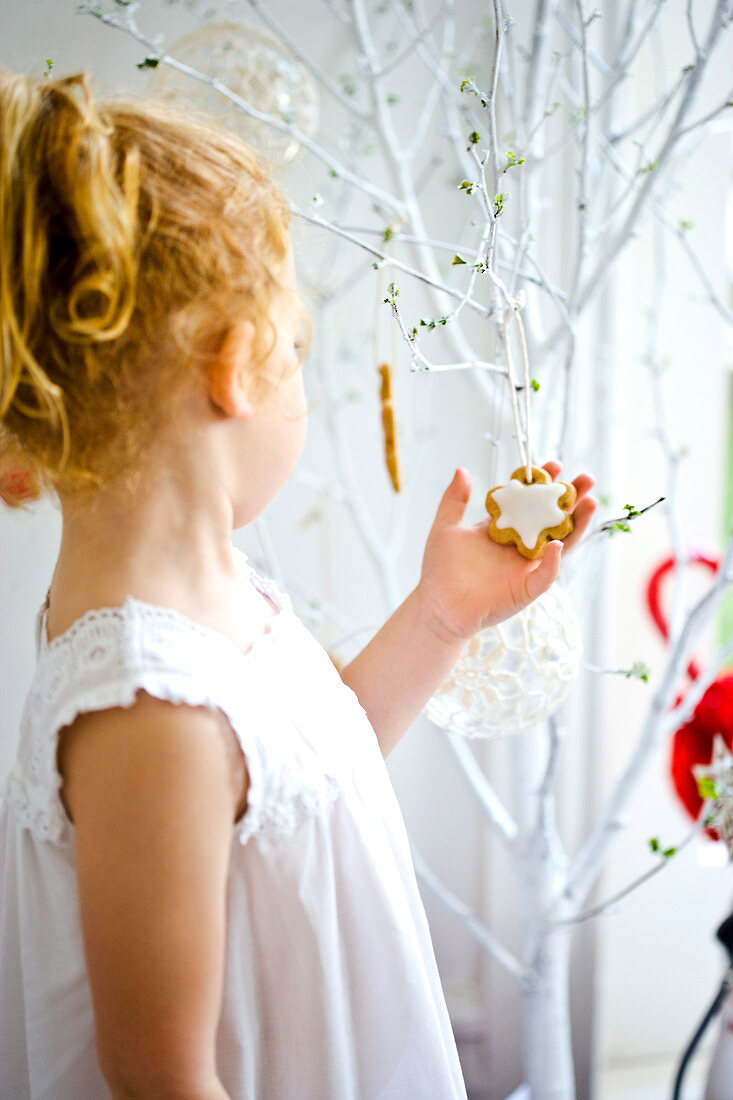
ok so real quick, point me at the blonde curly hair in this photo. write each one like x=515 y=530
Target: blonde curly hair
x=132 y=238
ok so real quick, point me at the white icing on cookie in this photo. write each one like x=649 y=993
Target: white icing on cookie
x=529 y=509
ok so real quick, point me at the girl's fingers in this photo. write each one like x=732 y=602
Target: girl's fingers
x=540 y=579
x=581 y=517
x=454 y=500
x=583 y=483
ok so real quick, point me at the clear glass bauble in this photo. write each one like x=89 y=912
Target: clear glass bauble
x=512 y=675
x=255 y=65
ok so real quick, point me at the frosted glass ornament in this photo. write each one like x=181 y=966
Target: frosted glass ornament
x=512 y=675
x=255 y=65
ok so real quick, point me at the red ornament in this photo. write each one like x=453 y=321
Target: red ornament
x=653 y=594
x=18 y=483
x=692 y=744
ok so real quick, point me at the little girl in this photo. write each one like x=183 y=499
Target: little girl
x=205 y=882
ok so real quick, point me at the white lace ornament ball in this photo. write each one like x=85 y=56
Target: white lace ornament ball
x=512 y=675
x=255 y=65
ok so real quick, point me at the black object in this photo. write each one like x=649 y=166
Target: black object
x=725 y=935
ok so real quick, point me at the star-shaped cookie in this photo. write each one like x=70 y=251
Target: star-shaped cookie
x=529 y=515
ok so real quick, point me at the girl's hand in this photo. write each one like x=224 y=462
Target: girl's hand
x=469 y=582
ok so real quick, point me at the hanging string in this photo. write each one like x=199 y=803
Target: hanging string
x=523 y=437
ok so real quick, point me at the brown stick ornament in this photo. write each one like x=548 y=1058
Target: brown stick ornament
x=389 y=423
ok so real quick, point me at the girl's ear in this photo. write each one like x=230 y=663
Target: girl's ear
x=229 y=385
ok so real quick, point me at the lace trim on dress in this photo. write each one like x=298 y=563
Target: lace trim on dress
x=109 y=654
x=46 y=816
x=34 y=791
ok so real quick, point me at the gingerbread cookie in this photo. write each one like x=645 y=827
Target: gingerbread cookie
x=529 y=516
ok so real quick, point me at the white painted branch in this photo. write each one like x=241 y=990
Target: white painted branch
x=629 y=27
x=691 y=27
x=587 y=865
x=624 y=234
x=496 y=813
x=544 y=17
x=270 y=120
x=657 y=110
x=432 y=64
x=582 y=201
x=582 y=205
x=509 y=81
x=726 y=105
x=381 y=255
x=538 y=278
x=629 y=50
x=488 y=941
x=354 y=500
x=491 y=96
x=636 y=182
x=553 y=756
x=336 y=9
x=575 y=37
x=318 y=72
x=398 y=164
x=416 y=40
x=534 y=153
x=425 y=367
x=629 y=673
x=611 y=903
x=557 y=296
x=420 y=363
x=457 y=135
x=433 y=98
x=545 y=835
x=682 y=713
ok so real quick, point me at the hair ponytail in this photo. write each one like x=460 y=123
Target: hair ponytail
x=131 y=235
x=67 y=240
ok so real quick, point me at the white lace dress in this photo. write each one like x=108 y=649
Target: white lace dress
x=331 y=988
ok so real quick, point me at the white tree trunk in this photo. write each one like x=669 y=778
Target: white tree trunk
x=540 y=873
x=546 y=1040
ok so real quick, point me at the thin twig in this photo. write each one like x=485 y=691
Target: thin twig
x=494 y=810
x=612 y=524
x=488 y=941
x=381 y=255
x=270 y=120
x=613 y=901
x=414 y=42
x=318 y=72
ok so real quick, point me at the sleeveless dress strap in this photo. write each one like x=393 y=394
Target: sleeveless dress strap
x=103 y=661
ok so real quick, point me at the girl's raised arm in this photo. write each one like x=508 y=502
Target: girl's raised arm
x=153 y=792
x=467 y=583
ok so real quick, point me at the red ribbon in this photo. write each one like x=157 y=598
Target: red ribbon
x=692 y=744
x=653 y=593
